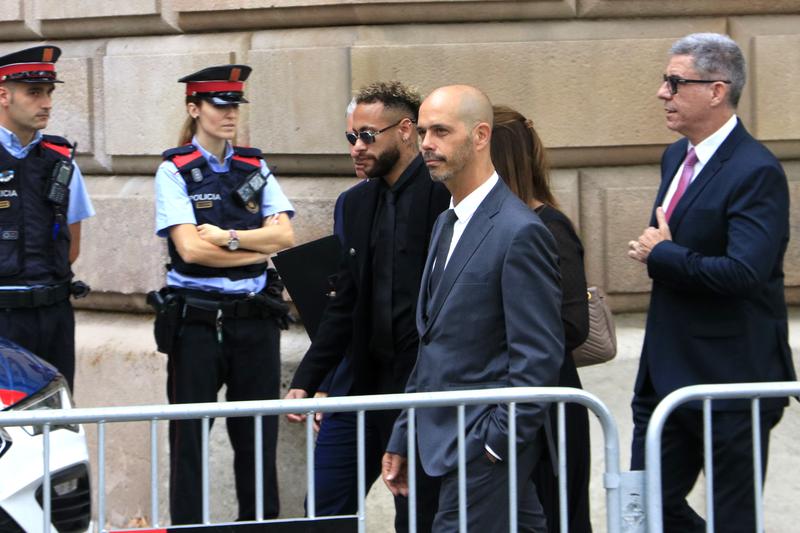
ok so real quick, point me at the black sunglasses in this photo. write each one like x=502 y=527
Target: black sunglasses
x=674 y=81
x=368 y=137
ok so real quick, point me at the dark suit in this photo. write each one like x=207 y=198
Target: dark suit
x=717 y=315
x=493 y=321
x=345 y=331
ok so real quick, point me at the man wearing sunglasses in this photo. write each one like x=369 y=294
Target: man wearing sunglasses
x=387 y=225
x=714 y=250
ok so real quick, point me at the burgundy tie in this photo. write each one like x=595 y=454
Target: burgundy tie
x=683 y=184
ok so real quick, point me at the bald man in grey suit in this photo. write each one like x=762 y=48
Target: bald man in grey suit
x=488 y=316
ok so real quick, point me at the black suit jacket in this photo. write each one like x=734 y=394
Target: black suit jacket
x=346 y=321
x=717 y=309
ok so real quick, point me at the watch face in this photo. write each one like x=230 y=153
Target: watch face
x=233 y=244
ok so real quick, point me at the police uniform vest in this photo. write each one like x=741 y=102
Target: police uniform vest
x=32 y=250
x=213 y=202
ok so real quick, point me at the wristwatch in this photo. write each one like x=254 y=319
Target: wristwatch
x=233 y=242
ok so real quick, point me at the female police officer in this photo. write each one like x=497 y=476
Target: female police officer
x=222 y=213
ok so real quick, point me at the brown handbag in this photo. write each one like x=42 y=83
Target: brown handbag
x=601 y=343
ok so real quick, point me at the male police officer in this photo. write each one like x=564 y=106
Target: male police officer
x=42 y=202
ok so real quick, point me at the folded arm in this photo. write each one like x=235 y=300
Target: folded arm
x=275 y=234
x=193 y=249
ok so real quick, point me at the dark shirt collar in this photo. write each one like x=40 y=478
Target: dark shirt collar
x=405 y=177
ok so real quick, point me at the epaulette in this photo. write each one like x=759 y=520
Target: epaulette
x=57 y=144
x=248 y=156
x=182 y=155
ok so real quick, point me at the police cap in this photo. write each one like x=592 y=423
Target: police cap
x=220 y=85
x=32 y=65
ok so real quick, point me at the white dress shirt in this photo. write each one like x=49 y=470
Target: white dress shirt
x=466 y=208
x=704 y=152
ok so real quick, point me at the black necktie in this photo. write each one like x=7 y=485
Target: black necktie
x=383 y=275
x=442 y=248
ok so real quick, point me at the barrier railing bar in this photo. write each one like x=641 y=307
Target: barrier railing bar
x=311 y=489
x=362 y=474
x=462 y=473
x=258 y=425
x=206 y=510
x=380 y=402
x=101 y=476
x=154 y=472
x=562 y=469
x=412 y=470
x=755 y=410
x=512 y=467
x=708 y=456
x=365 y=403
x=46 y=485
x=654 y=514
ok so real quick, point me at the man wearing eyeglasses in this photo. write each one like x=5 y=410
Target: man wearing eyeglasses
x=387 y=225
x=714 y=250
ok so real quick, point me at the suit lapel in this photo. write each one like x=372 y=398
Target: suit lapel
x=710 y=170
x=476 y=231
x=422 y=299
x=671 y=164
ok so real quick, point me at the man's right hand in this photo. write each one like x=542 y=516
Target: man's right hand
x=318 y=416
x=395 y=473
x=296 y=394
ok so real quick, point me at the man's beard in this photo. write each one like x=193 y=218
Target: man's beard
x=384 y=163
x=453 y=165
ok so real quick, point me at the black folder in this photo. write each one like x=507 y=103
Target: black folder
x=308 y=271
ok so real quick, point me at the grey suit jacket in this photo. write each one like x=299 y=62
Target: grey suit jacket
x=494 y=321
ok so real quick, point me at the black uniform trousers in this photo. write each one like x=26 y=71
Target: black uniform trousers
x=682 y=462
x=47 y=331
x=248 y=362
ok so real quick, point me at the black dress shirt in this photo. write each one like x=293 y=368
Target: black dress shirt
x=394 y=293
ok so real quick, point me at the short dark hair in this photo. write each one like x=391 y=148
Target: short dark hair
x=393 y=95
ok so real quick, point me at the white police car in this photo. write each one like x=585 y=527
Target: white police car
x=28 y=383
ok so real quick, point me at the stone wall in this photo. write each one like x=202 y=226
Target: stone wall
x=586 y=72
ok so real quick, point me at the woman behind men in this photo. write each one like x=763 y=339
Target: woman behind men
x=223 y=214
x=519 y=158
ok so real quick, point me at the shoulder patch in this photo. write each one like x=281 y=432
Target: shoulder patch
x=182 y=155
x=56 y=139
x=250 y=161
x=180 y=150
x=63 y=150
x=250 y=157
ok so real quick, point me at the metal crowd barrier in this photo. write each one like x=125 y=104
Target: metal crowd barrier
x=614 y=481
x=707 y=393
